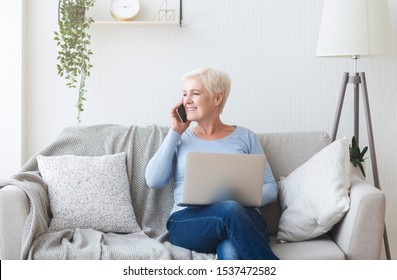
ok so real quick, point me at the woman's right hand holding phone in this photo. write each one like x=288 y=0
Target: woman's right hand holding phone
x=176 y=122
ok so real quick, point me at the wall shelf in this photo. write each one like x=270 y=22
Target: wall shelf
x=141 y=23
x=137 y=23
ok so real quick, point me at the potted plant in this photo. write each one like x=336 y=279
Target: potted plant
x=74 y=42
x=357 y=156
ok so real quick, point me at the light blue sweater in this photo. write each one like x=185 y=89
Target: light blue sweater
x=170 y=159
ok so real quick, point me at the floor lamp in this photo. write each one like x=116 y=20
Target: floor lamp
x=356 y=28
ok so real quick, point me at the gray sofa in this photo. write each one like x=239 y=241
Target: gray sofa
x=357 y=236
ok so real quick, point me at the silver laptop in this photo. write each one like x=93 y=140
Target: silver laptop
x=215 y=177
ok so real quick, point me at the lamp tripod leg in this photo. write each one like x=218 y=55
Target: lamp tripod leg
x=345 y=80
x=372 y=151
x=356 y=80
x=386 y=241
x=356 y=109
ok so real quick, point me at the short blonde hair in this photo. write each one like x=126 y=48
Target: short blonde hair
x=214 y=81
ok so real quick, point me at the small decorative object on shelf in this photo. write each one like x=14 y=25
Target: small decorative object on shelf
x=125 y=13
x=164 y=13
x=357 y=156
x=124 y=10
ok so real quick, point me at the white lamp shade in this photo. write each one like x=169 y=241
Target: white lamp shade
x=356 y=27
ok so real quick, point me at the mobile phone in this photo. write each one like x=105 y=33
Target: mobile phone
x=181 y=113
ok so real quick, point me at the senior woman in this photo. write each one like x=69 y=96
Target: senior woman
x=225 y=228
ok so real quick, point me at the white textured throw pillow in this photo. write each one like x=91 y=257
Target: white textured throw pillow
x=89 y=192
x=315 y=196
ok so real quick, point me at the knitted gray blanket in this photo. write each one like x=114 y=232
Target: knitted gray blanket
x=151 y=207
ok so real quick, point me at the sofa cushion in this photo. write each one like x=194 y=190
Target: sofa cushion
x=88 y=192
x=286 y=151
x=315 y=196
x=321 y=248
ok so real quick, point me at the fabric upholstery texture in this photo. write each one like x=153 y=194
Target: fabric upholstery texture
x=88 y=192
x=150 y=242
x=315 y=196
x=286 y=152
x=320 y=248
x=25 y=211
x=14 y=208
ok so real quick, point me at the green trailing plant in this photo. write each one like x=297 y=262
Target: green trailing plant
x=357 y=156
x=74 y=43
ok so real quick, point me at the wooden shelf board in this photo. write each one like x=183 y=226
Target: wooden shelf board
x=136 y=23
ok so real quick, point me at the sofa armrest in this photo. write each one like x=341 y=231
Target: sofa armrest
x=360 y=232
x=14 y=208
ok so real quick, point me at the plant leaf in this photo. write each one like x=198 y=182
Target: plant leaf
x=362 y=169
x=363 y=152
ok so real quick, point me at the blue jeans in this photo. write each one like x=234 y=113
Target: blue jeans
x=225 y=228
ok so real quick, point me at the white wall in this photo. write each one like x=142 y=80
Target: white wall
x=267 y=47
x=10 y=87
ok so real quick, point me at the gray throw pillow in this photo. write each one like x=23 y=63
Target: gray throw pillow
x=89 y=192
